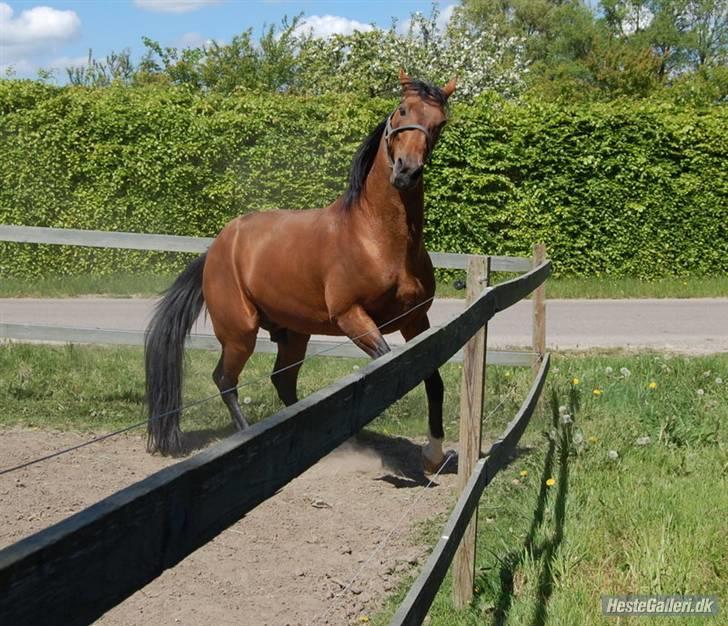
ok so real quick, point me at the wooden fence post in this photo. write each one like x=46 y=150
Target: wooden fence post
x=471 y=414
x=539 y=311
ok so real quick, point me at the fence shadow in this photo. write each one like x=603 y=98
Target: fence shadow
x=551 y=546
x=545 y=551
x=196 y=440
x=400 y=457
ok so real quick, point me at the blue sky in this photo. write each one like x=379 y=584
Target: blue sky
x=53 y=34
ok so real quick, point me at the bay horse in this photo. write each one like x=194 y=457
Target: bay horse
x=345 y=269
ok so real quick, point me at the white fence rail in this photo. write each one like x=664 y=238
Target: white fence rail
x=176 y=243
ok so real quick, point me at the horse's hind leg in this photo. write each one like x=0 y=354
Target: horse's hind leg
x=291 y=350
x=227 y=373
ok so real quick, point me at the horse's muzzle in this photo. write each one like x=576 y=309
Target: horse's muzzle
x=406 y=176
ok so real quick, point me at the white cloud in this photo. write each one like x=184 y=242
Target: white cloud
x=326 y=25
x=174 y=6
x=445 y=15
x=443 y=19
x=191 y=40
x=34 y=31
x=61 y=63
x=20 y=67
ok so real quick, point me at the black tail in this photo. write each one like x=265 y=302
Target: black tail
x=164 y=345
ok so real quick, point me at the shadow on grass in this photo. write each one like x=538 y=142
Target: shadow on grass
x=543 y=552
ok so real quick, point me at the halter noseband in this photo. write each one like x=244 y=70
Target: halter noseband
x=389 y=131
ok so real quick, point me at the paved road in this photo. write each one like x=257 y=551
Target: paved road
x=695 y=325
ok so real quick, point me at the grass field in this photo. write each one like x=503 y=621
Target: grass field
x=149 y=285
x=640 y=476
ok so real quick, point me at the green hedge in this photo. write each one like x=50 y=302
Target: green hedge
x=621 y=188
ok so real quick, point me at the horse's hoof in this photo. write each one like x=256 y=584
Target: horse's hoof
x=430 y=466
x=432 y=455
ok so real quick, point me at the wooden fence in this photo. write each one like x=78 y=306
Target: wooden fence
x=76 y=570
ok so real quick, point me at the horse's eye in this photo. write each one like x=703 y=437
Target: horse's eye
x=402 y=111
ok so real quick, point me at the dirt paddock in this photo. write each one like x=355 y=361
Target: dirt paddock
x=286 y=562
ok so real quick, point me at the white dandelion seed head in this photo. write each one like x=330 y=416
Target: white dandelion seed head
x=613 y=455
x=718 y=381
x=643 y=441
x=608 y=370
x=562 y=409
x=356 y=367
x=578 y=439
x=247 y=400
x=566 y=419
x=700 y=392
x=625 y=372
x=707 y=374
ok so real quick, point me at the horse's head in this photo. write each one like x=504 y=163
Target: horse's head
x=413 y=129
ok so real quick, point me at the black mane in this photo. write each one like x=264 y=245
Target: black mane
x=367 y=152
x=362 y=163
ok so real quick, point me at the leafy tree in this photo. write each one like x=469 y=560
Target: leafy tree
x=620 y=47
x=267 y=65
x=364 y=62
x=116 y=67
x=708 y=27
x=287 y=58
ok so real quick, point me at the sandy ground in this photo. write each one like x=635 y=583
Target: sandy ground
x=287 y=562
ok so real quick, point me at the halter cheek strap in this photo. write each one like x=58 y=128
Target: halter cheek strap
x=389 y=131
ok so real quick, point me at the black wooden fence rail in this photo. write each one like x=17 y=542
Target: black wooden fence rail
x=414 y=608
x=74 y=571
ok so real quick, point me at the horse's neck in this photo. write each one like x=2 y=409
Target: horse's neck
x=397 y=215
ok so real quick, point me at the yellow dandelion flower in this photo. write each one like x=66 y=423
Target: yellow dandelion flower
x=652 y=385
x=550 y=482
x=575 y=381
x=523 y=473
x=593 y=439
x=597 y=392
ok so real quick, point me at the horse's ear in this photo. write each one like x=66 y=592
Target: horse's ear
x=404 y=79
x=449 y=88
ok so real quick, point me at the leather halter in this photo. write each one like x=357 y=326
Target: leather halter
x=389 y=131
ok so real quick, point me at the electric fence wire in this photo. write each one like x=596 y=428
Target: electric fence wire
x=195 y=403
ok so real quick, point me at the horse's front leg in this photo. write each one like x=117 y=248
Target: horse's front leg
x=361 y=329
x=432 y=454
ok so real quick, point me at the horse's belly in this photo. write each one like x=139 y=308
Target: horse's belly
x=299 y=319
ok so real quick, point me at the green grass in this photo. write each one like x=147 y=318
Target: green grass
x=149 y=285
x=122 y=285
x=651 y=521
x=609 y=287
x=603 y=287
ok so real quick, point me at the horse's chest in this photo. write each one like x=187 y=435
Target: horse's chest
x=402 y=294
